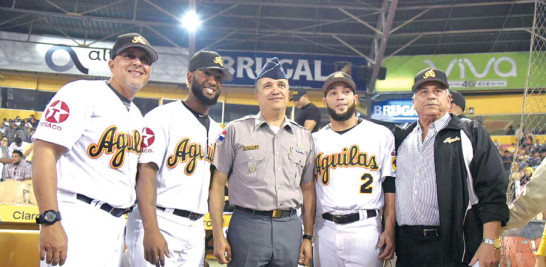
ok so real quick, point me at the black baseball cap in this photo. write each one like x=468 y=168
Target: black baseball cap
x=338 y=76
x=429 y=75
x=297 y=94
x=458 y=99
x=210 y=60
x=128 y=40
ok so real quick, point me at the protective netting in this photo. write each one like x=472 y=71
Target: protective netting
x=520 y=245
x=533 y=114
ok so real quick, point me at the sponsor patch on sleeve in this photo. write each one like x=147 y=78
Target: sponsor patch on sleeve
x=57 y=112
x=148 y=137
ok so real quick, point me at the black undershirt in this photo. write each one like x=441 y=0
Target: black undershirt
x=344 y=131
x=204 y=120
x=126 y=102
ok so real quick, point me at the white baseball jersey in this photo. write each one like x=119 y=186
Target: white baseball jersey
x=102 y=138
x=351 y=167
x=178 y=143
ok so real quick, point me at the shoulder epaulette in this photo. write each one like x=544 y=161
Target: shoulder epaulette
x=244 y=118
x=295 y=123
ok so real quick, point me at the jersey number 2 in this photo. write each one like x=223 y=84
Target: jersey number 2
x=366 y=187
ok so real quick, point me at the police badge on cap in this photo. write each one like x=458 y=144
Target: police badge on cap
x=272 y=69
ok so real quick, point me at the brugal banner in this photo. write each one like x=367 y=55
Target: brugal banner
x=60 y=55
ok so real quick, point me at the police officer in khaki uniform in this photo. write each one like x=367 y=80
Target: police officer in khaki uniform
x=269 y=160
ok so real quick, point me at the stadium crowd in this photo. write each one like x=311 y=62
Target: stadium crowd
x=16 y=147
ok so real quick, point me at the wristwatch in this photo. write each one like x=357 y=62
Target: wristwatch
x=496 y=243
x=309 y=237
x=49 y=217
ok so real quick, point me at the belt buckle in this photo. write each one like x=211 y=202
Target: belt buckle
x=277 y=213
x=337 y=219
x=194 y=216
x=427 y=231
x=116 y=212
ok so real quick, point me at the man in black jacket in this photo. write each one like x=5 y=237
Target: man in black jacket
x=451 y=184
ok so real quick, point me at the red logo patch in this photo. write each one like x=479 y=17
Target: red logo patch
x=57 y=112
x=148 y=137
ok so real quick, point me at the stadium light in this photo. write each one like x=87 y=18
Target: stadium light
x=190 y=21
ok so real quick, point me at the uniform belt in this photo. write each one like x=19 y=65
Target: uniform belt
x=421 y=230
x=184 y=213
x=347 y=218
x=116 y=212
x=269 y=213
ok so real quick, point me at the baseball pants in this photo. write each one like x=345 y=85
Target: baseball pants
x=95 y=238
x=258 y=240
x=353 y=244
x=185 y=239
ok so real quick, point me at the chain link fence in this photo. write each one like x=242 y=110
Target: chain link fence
x=520 y=245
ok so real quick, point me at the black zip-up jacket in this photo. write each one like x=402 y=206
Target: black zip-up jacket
x=459 y=147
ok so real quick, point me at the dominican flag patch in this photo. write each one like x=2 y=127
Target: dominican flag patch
x=222 y=136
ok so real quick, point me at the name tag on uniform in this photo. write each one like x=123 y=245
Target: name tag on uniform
x=253 y=147
x=297 y=150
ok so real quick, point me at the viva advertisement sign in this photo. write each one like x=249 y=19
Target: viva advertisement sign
x=490 y=71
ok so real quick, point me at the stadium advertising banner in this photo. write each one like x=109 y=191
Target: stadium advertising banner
x=62 y=55
x=58 y=55
x=302 y=70
x=394 y=110
x=491 y=71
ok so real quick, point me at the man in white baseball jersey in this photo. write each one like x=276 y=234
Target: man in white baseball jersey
x=85 y=160
x=355 y=166
x=174 y=172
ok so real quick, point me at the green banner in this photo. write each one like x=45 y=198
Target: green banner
x=491 y=71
